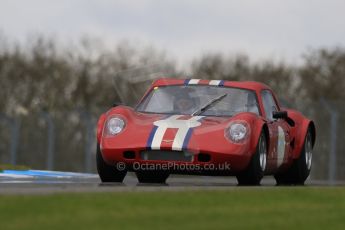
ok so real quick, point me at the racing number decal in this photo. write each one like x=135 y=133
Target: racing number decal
x=183 y=134
x=280 y=146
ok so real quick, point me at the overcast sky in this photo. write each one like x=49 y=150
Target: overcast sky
x=186 y=28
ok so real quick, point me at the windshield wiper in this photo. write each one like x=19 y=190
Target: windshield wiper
x=208 y=105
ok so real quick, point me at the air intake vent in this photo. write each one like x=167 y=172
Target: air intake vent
x=129 y=155
x=166 y=155
x=202 y=157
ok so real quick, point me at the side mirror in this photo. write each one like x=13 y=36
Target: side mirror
x=280 y=115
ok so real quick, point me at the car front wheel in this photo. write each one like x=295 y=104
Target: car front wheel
x=106 y=172
x=256 y=168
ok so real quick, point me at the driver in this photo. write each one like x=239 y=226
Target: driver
x=185 y=104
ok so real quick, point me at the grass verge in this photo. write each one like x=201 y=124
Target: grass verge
x=238 y=208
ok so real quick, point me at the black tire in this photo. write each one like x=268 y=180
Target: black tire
x=108 y=173
x=256 y=168
x=157 y=177
x=300 y=168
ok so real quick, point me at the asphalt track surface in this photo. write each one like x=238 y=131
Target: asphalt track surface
x=91 y=183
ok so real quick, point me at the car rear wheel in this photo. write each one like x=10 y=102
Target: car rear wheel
x=256 y=168
x=300 y=168
x=106 y=172
x=152 y=176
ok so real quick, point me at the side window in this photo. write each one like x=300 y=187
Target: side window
x=269 y=104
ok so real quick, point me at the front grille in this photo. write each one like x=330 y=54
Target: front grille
x=162 y=155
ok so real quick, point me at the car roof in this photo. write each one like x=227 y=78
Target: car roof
x=251 y=85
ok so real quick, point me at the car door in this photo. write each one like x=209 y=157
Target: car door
x=279 y=152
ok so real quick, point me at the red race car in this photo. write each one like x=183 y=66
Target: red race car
x=205 y=127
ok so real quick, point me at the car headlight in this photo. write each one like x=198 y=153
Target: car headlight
x=115 y=125
x=237 y=131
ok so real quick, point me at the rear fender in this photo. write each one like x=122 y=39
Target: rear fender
x=300 y=129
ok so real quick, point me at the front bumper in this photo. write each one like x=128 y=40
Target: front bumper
x=198 y=162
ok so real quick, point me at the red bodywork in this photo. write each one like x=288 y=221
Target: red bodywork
x=208 y=138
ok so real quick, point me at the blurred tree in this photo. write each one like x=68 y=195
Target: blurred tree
x=322 y=74
x=216 y=66
x=44 y=76
x=277 y=75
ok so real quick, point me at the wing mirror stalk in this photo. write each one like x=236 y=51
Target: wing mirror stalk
x=283 y=115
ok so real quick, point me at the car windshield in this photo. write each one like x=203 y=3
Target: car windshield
x=181 y=99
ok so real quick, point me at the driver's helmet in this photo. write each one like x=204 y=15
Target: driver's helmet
x=184 y=103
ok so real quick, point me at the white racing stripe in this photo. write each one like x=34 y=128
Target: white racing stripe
x=162 y=127
x=193 y=81
x=179 y=138
x=214 y=82
x=183 y=127
x=280 y=146
x=182 y=132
